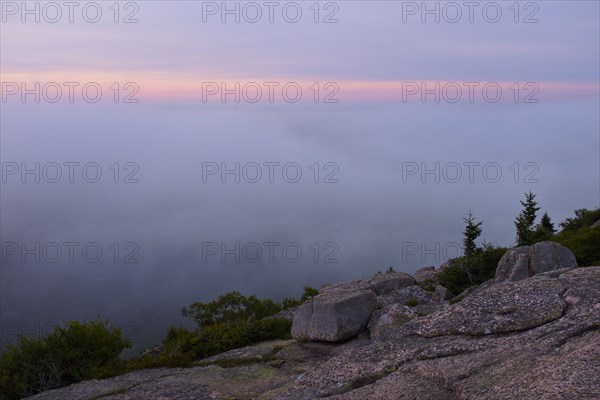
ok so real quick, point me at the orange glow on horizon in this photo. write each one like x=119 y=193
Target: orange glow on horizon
x=157 y=86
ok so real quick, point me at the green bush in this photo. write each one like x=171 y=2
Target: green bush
x=309 y=293
x=455 y=278
x=465 y=272
x=290 y=302
x=584 y=243
x=583 y=218
x=71 y=353
x=229 y=322
x=428 y=284
x=411 y=302
x=230 y=307
x=181 y=347
x=219 y=338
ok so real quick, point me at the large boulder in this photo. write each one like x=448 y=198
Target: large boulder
x=342 y=310
x=402 y=296
x=425 y=274
x=334 y=316
x=526 y=261
x=386 y=282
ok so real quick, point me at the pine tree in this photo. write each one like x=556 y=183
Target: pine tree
x=471 y=233
x=546 y=223
x=526 y=220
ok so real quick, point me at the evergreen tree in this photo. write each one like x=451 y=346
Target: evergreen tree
x=471 y=233
x=547 y=224
x=526 y=220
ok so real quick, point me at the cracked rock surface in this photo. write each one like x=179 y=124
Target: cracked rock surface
x=526 y=261
x=533 y=338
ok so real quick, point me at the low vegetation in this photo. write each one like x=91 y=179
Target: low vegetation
x=73 y=352
x=78 y=351
x=580 y=237
x=467 y=271
x=229 y=322
x=411 y=303
x=479 y=262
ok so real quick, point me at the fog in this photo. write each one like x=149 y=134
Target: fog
x=356 y=186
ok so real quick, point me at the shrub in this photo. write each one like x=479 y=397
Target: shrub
x=584 y=243
x=230 y=307
x=455 y=278
x=229 y=322
x=177 y=341
x=411 y=302
x=465 y=272
x=290 y=302
x=71 y=353
x=219 y=338
x=583 y=218
x=428 y=285
x=309 y=293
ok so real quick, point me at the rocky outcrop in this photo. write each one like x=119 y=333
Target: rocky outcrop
x=526 y=261
x=343 y=310
x=441 y=294
x=551 y=351
x=385 y=320
x=403 y=296
x=385 y=283
x=334 y=315
x=533 y=338
x=507 y=307
x=425 y=274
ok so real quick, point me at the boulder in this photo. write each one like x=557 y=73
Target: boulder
x=401 y=296
x=346 y=286
x=441 y=294
x=388 y=281
x=425 y=274
x=526 y=261
x=383 y=321
x=334 y=315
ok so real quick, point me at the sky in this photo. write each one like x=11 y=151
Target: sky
x=159 y=153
